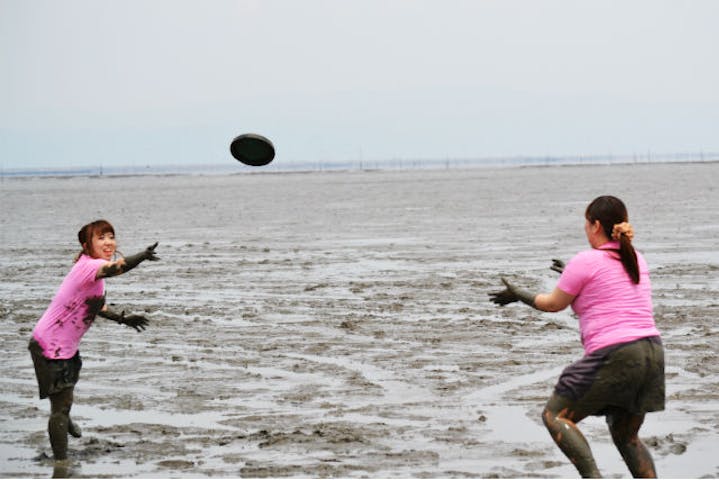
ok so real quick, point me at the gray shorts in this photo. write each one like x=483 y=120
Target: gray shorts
x=54 y=376
x=629 y=376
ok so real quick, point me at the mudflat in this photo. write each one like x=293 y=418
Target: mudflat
x=337 y=324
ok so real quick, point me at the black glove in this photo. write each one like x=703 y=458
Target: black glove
x=511 y=294
x=557 y=265
x=134 y=260
x=138 y=322
x=503 y=297
x=150 y=252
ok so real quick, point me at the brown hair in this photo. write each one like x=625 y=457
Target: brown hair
x=84 y=236
x=611 y=211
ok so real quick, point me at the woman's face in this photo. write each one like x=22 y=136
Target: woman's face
x=103 y=246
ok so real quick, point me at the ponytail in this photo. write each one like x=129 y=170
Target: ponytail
x=624 y=233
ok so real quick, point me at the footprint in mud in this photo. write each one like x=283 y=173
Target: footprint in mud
x=666 y=445
x=312 y=288
x=542 y=465
x=257 y=470
x=94 y=448
x=88 y=450
x=176 y=464
x=328 y=435
x=43 y=458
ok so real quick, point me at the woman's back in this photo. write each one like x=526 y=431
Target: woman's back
x=611 y=307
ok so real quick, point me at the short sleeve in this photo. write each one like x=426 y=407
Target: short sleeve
x=87 y=269
x=575 y=275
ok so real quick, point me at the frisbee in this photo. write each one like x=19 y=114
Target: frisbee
x=252 y=149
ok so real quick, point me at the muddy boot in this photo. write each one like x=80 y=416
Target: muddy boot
x=74 y=429
x=61 y=469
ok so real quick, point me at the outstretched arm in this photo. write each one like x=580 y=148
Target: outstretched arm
x=118 y=267
x=138 y=322
x=512 y=294
x=553 y=302
x=546 y=302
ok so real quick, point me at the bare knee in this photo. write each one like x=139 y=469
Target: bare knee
x=548 y=417
x=554 y=409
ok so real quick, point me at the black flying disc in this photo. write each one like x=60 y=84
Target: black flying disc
x=252 y=149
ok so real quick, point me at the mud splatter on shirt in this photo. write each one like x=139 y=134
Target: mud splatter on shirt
x=72 y=311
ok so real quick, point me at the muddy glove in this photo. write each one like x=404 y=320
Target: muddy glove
x=138 y=322
x=557 y=265
x=134 y=260
x=511 y=294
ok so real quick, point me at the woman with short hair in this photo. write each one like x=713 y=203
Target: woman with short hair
x=55 y=341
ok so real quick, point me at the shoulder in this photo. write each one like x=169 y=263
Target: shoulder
x=86 y=260
x=588 y=256
x=87 y=266
x=581 y=263
x=582 y=266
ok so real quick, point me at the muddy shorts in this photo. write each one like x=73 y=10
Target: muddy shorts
x=629 y=376
x=54 y=376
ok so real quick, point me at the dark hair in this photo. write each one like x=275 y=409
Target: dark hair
x=84 y=236
x=610 y=211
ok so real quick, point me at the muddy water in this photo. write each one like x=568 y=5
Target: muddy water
x=336 y=324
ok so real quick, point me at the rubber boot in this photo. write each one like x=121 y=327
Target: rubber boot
x=61 y=469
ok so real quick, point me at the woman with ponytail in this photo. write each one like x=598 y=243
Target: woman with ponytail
x=621 y=375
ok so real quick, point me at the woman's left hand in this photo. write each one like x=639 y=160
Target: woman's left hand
x=138 y=322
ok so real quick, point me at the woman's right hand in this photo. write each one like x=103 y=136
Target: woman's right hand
x=126 y=264
x=134 y=260
x=150 y=252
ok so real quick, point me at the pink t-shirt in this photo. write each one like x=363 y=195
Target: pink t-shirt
x=612 y=309
x=72 y=310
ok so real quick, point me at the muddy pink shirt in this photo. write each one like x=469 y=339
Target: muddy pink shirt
x=69 y=316
x=612 y=309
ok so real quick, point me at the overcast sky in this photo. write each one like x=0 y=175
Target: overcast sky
x=134 y=82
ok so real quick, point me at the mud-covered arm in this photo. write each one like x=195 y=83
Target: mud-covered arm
x=123 y=265
x=138 y=322
x=512 y=294
x=546 y=302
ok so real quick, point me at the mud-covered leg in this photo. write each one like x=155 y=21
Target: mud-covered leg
x=73 y=428
x=58 y=425
x=561 y=423
x=624 y=427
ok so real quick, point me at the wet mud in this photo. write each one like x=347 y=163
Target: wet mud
x=337 y=324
